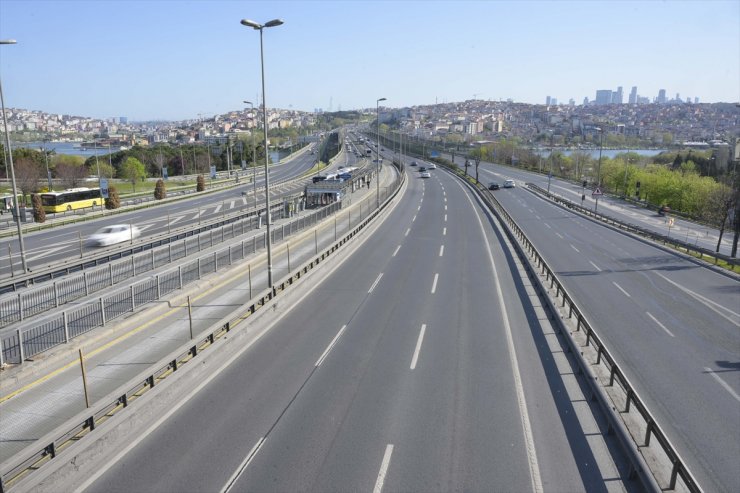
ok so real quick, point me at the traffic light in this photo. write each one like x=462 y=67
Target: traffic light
x=585 y=183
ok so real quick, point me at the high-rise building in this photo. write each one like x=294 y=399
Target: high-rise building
x=617 y=97
x=123 y=120
x=603 y=96
x=571 y=102
x=553 y=101
x=633 y=95
x=696 y=100
x=661 y=97
x=547 y=101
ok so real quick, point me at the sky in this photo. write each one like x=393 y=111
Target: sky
x=176 y=59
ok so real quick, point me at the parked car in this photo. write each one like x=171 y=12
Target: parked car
x=509 y=184
x=425 y=174
x=110 y=235
x=493 y=186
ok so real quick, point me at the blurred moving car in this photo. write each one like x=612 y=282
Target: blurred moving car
x=425 y=174
x=509 y=184
x=432 y=166
x=493 y=186
x=110 y=235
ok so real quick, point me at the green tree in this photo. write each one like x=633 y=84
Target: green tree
x=200 y=184
x=160 y=192
x=113 y=201
x=133 y=170
x=39 y=215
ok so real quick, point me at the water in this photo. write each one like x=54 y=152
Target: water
x=71 y=148
x=594 y=153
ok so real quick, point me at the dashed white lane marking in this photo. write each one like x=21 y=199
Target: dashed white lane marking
x=574 y=248
x=723 y=383
x=407 y=232
x=559 y=235
x=445 y=217
x=622 y=289
x=414 y=218
x=660 y=324
x=418 y=208
x=383 y=468
x=444 y=231
x=375 y=283
x=445 y=207
x=730 y=315
x=434 y=283
x=396 y=251
x=441 y=250
x=547 y=225
x=330 y=346
x=415 y=357
x=595 y=266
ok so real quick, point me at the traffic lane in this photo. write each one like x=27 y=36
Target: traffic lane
x=274 y=376
x=666 y=325
x=387 y=404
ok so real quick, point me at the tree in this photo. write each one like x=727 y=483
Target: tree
x=160 y=192
x=39 y=215
x=200 y=184
x=133 y=170
x=71 y=170
x=27 y=175
x=113 y=201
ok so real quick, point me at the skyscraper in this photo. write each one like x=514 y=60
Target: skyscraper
x=661 y=97
x=547 y=101
x=617 y=97
x=603 y=96
x=633 y=95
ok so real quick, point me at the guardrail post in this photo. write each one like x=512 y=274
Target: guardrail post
x=22 y=351
x=648 y=432
x=185 y=245
x=102 y=310
x=133 y=300
x=179 y=275
x=133 y=266
x=169 y=252
x=152 y=250
x=20 y=306
x=629 y=401
x=110 y=273
x=674 y=474
x=66 y=327
x=159 y=294
x=215 y=262
x=2 y=363
x=198 y=267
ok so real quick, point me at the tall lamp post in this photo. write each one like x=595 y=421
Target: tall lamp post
x=598 y=167
x=254 y=152
x=12 y=171
x=377 y=149
x=260 y=27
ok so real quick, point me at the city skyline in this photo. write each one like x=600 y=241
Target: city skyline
x=166 y=60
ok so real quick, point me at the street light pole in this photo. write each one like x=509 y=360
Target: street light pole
x=12 y=171
x=254 y=152
x=260 y=27
x=377 y=149
x=97 y=165
x=598 y=168
x=46 y=161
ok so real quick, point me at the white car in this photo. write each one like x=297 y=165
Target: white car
x=110 y=235
x=425 y=174
x=432 y=166
x=509 y=184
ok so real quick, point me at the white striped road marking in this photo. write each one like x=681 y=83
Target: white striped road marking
x=218 y=208
x=434 y=283
x=559 y=235
x=243 y=466
x=537 y=217
x=445 y=217
x=595 y=266
x=418 y=208
x=244 y=200
x=175 y=219
x=444 y=231
x=407 y=232
x=200 y=213
x=622 y=290
x=375 y=283
x=396 y=251
x=414 y=218
x=441 y=250
x=547 y=225
x=574 y=248
x=660 y=324
x=231 y=204
x=383 y=468
x=415 y=357
x=45 y=252
x=723 y=383
x=714 y=306
x=445 y=207
x=330 y=346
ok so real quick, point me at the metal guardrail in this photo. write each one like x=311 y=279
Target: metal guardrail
x=13 y=472
x=644 y=232
x=604 y=357
x=82 y=318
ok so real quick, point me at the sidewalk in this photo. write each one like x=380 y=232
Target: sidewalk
x=49 y=394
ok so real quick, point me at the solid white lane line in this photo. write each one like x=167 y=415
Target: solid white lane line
x=660 y=324
x=383 y=468
x=415 y=357
x=622 y=290
x=375 y=283
x=396 y=251
x=534 y=467
x=723 y=383
x=595 y=266
x=434 y=283
x=574 y=248
x=407 y=232
x=441 y=250
x=559 y=235
x=243 y=466
x=330 y=346
x=444 y=231
x=712 y=305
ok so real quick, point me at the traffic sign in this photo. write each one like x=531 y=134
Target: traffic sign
x=596 y=192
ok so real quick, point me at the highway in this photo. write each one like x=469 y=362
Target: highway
x=410 y=368
x=672 y=324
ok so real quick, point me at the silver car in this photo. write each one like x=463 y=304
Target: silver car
x=110 y=235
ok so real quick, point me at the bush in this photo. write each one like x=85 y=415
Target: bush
x=160 y=192
x=39 y=215
x=113 y=201
x=201 y=184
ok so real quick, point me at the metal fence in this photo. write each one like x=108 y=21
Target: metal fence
x=79 y=319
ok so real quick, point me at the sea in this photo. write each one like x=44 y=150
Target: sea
x=610 y=153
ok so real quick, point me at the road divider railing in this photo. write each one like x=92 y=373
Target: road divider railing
x=604 y=360
x=46 y=449
x=677 y=244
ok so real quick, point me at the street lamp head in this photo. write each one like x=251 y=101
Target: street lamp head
x=381 y=99
x=7 y=41
x=252 y=24
x=274 y=23
x=247 y=102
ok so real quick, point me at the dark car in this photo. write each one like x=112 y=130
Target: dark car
x=318 y=178
x=493 y=186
